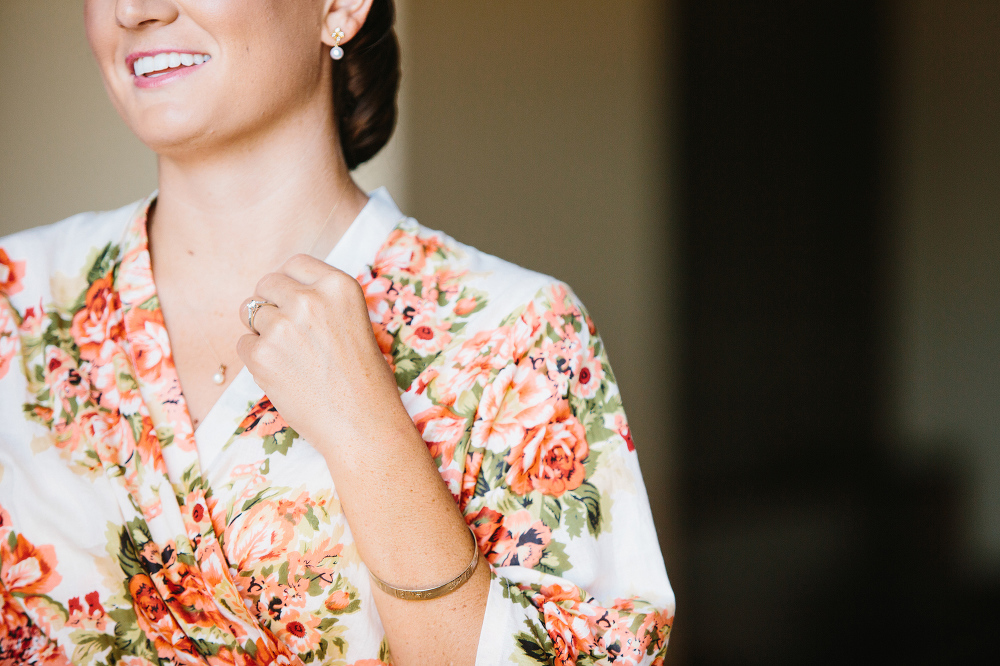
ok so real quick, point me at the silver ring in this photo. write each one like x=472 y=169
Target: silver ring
x=252 y=308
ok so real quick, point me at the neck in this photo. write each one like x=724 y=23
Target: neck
x=243 y=210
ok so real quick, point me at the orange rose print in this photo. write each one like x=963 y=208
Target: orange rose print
x=300 y=633
x=473 y=465
x=405 y=253
x=148 y=606
x=150 y=347
x=63 y=376
x=98 y=320
x=155 y=620
x=559 y=625
x=464 y=306
x=519 y=399
x=441 y=430
x=9 y=340
x=427 y=334
x=28 y=569
x=263 y=420
x=22 y=642
x=514 y=540
x=11 y=274
x=589 y=377
x=337 y=601
x=621 y=426
x=257 y=535
x=550 y=459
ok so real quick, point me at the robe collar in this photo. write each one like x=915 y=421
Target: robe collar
x=149 y=346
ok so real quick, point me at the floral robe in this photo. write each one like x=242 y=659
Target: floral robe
x=128 y=537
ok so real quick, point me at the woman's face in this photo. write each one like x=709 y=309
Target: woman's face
x=195 y=74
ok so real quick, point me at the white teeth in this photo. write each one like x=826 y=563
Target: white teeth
x=163 y=61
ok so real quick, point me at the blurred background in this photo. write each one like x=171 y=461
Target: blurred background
x=784 y=217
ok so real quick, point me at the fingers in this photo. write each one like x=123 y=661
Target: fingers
x=274 y=291
x=303 y=287
x=306 y=269
x=277 y=288
x=258 y=314
x=248 y=347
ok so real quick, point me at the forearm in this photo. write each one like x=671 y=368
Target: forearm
x=410 y=533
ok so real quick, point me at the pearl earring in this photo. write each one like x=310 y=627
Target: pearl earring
x=336 y=52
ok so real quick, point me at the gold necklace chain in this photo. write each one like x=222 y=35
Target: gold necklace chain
x=219 y=378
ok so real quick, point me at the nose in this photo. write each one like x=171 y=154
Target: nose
x=136 y=14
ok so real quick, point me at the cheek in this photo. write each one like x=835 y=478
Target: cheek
x=99 y=22
x=103 y=38
x=274 y=50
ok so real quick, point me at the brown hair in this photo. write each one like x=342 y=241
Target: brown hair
x=365 y=85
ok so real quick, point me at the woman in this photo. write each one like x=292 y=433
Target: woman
x=460 y=406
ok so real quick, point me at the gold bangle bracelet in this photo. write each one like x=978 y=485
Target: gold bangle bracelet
x=433 y=592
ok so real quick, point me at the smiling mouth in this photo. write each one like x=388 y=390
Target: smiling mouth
x=152 y=67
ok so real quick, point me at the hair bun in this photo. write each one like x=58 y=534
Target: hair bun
x=365 y=86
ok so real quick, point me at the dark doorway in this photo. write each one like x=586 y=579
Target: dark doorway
x=802 y=542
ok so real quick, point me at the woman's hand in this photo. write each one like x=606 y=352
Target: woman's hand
x=317 y=359
x=316 y=356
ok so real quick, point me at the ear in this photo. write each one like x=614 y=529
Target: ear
x=348 y=15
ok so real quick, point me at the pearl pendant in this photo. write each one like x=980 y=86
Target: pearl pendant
x=220 y=376
x=336 y=53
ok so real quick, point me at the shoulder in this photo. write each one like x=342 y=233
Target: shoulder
x=31 y=260
x=441 y=269
x=437 y=304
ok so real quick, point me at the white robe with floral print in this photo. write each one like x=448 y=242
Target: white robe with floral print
x=129 y=537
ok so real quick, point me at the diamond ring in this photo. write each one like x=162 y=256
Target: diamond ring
x=252 y=307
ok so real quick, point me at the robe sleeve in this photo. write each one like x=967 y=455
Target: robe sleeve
x=550 y=485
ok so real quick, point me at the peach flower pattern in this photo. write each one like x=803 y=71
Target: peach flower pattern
x=11 y=274
x=27 y=569
x=228 y=546
x=9 y=339
x=550 y=457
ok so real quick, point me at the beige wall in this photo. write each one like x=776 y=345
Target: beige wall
x=540 y=134
x=536 y=131
x=62 y=148
x=947 y=204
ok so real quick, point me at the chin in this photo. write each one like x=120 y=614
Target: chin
x=175 y=130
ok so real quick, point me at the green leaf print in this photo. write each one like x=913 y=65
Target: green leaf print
x=151 y=304
x=279 y=442
x=129 y=638
x=554 y=560
x=575 y=518
x=90 y=645
x=591 y=498
x=312 y=519
x=128 y=555
x=383 y=652
x=468 y=403
x=103 y=263
x=534 y=650
x=551 y=512
x=408 y=366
